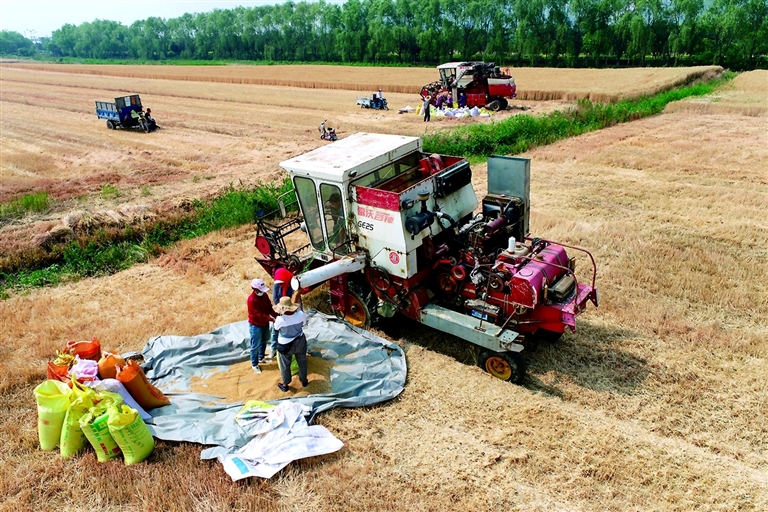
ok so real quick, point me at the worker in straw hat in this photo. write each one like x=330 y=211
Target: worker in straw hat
x=281 y=288
x=291 y=341
x=260 y=313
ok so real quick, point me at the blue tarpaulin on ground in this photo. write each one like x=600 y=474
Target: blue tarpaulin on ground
x=365 y=369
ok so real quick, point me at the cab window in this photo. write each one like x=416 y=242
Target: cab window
x=307 y=194
x=333 y=217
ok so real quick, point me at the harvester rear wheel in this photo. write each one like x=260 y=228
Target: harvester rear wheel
x=110 y=124
x=508 y=366
x=357 y=312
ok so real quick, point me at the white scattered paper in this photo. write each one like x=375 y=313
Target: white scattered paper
x=284 y=437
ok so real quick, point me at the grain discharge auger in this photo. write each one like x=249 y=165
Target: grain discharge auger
x=397 y=231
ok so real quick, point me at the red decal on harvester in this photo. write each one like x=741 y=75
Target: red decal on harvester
x=394 y=257
x=370 y=214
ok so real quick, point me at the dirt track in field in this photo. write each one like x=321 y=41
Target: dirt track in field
x=657 y=402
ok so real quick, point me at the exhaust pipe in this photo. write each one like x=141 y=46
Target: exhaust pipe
x=349 y=263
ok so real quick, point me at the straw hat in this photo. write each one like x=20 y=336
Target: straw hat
x=285 y=304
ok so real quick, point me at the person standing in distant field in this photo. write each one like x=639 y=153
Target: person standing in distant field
x=260 y=313
x=291 y=341
x=282 y=288
x=425 y=106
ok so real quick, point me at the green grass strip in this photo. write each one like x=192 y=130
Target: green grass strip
x=105 y=256
x=520 y=133
x=15 y=209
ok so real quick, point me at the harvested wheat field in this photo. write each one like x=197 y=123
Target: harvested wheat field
x=658 y=402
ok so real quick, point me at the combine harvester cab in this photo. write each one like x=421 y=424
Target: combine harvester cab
x=409 y=236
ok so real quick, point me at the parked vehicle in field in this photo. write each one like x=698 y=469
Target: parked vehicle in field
x=125 y=112
x=408 y=238
x=373 y=101
x=327 y=133
x=483 y=83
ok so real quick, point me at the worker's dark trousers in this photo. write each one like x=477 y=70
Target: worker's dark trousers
x=426 y=114
x=298 y=349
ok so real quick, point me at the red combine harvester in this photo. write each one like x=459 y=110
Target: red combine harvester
x=484 y=84
x=396 y=230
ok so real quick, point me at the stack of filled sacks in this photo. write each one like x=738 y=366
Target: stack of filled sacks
x=96 y=397
x=462 y=112
x=457 y=112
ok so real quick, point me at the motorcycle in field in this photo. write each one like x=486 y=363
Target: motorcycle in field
x=327 y=133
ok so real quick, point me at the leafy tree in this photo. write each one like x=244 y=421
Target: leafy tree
x=181 y=36
x=684 y=29
x=353 y=36
x=732 y=33
x=15 y=44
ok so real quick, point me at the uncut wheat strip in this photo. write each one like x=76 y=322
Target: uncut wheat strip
x=718 y=108
x=336 y=99
x=756 y=80
x=324 y=77
x=533 y=83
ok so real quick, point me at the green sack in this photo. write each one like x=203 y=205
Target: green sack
x=131 y=434
x=53 y=398
x=96 y=430
x=107 y=398
x=294 y=365
x=72 y=439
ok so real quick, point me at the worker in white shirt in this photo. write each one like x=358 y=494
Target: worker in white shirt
x=291 y=341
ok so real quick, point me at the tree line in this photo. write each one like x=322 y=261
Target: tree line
x=572 y=33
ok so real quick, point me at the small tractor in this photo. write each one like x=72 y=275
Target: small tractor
x=118 y=114
x=484 y=84
x=397 y=231
x=373 y=101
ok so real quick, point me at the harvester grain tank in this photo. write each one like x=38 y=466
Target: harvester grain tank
x=412 y=238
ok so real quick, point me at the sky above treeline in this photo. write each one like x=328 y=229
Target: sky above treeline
x=38 y=18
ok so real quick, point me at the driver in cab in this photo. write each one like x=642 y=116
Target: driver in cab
x=334 y=213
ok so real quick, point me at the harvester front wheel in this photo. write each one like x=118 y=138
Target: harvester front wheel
x=495 y=105
x=357 y=312
x=508 y=366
